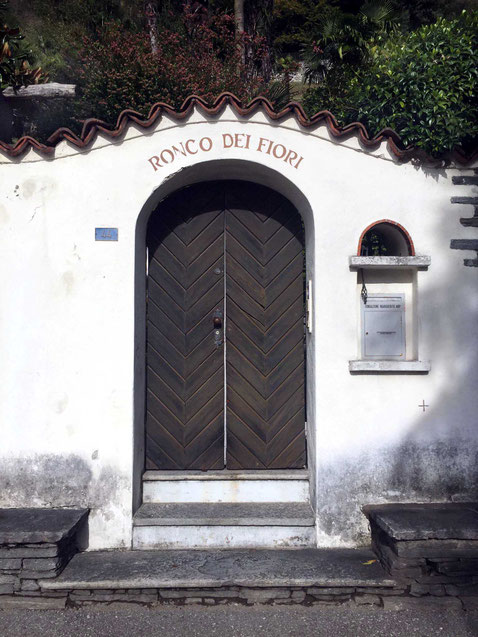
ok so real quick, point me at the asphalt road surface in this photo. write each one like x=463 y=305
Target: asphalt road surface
x=237 y=621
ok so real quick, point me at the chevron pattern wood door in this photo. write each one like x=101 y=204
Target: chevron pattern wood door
x=265 y=330
x=185 y=368
x=236 y=248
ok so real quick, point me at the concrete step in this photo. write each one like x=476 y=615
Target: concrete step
x=225 y=514
x=225 y=486
x=113 y=570
x=222 y=525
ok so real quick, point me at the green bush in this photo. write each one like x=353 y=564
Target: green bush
x=422 y=84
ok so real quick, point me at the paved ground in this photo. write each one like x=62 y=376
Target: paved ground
x=238 y=621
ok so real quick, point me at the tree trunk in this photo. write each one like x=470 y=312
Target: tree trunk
x=239 y=19
x=151 y=15
x=239 y=15
x=258 y=22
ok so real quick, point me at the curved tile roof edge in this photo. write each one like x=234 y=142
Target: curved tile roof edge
x=93 y=126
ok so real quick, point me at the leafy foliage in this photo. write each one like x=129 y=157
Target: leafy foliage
x=294 y=23
x=201 y=57
x=15 y=69
x=345 y=38
x=54 y=29
x=416 y=13
x=422 y=84
x=281 y=90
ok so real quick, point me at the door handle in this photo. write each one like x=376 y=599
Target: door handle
x=217 y=324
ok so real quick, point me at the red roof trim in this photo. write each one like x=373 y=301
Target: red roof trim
x=92 y=126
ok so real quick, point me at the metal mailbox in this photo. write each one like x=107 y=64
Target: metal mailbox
x=383 y=327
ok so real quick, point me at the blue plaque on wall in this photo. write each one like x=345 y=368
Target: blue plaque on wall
x=106 y=234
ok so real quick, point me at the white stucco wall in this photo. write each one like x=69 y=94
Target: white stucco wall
x=67 y=320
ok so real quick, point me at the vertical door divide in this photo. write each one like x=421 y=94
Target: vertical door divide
x=224 y=338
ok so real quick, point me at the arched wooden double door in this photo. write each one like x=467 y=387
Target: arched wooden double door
x=225 y=330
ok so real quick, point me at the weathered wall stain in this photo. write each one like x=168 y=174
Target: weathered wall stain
x=4 y=216
x=57 y=481
x=68 y=280
x=60 y=403
x=439 y=471
x=28 y=188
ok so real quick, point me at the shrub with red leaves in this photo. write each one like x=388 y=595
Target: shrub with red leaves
x=202 y=57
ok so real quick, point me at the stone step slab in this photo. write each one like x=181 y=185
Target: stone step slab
x=211 y=569
x=433 y=521
x=218 y=525
x=225 y=486
x=225 y=514
x=35 y=526
x=219 y=536
x=434 y=545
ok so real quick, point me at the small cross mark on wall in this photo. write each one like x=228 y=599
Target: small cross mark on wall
x=423 y=406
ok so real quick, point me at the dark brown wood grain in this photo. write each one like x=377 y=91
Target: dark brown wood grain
x=185 y=368
x=265 y=330
x=257 y=235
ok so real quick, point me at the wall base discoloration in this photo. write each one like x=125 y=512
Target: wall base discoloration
x=65 y=481
x=412 y=472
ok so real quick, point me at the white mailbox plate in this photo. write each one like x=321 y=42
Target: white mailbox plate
x=383 y=327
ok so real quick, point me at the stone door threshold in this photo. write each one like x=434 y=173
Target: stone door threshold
x=227 y=474
x=225 y=514
x=216 y=568
x=306 y=576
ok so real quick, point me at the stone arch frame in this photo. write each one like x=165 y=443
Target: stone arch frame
x=399 y=228
x=214 y=170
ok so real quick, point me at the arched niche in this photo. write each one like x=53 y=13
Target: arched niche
x=385 y=238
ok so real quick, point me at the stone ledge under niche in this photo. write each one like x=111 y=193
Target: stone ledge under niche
x=387 y=366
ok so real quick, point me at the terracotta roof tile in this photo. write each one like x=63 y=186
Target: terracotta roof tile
x=92 y=126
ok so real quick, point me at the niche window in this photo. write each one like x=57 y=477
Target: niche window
x=385 y=239
x=387 y=330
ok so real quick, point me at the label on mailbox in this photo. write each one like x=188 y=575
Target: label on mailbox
x=383 y=326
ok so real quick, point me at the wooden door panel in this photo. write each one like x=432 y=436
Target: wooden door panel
x=284 y=393
x=249 y=242
x=249 y=394
x=242 y=320
x=161 y=321
x=257 y=234
x=265 y=330
x=185 y=368
x=211 y=254
x=244 y=300
x=250 y=350
x=279 y=356
x=282 y=280
x=295 y=312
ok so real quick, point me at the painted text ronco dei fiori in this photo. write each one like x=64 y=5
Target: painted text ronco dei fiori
x=238 y=140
